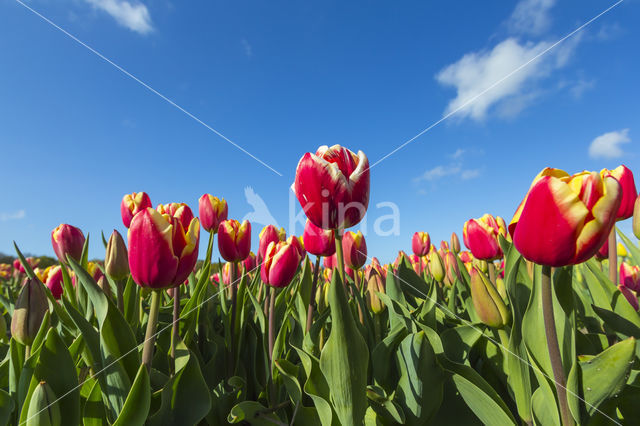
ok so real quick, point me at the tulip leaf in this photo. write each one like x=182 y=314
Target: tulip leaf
x=543 y=407
x=384 y=369
x=7 y=405
x=317 y=388
x=458 y=341
x=253 y=413
x=420 y=388
x=633 y=249
x=347 y=379
x=130 y=298
x=289 y=374
x=306 y=280
x=413 y=284
x=27 y=267
x=136 y=407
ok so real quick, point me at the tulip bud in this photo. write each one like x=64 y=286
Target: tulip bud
x=44 y=409
x=29 y=311
x=133 y=204
x=455 y=242
x=116 y=259
x=630 y=276
x=322 y=296
x=374 y=284
x=250 y=262
x=416 y=262
x=436 y=266
x=280 y=264
x=104 y=285
x=53 y=280
x=451 y=267
x=234 y=240
x=502 y=289
x=630 y=295
x=212 y=211
x=420 y=243
x=268 y=235
x=355 y=249
x=67 y=240
x=481 y=237
x=622 y=250
x=488 y=304
x=298 y=244
x=318 y=241
x=636 y=218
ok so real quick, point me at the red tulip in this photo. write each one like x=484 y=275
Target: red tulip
x=401 y=255
x=53 y=280
x=18 y=266
x=250 y=262
x=455 y=241
x=318 y=241
x=268 y=235
x=375 y=264
x=94 y=270
x=180 y=211
x=226 y=273
x=132 y=204
x=565 y=219
x=234 y=240
x=67 y=240
x=624 y=176
x=162 y=253
x=420 y=243
x=330 y=262
x=416 y=262
x=298 y=244
x=5 y=270
x=630 y=276
x=452 y=270
x=212 y=211
x=603 y=252
x=332 y=186
x=630 y=295
x=481 y=237
x=354 y=247
x=280 y=264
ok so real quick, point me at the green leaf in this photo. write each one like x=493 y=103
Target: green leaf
x=93 y=411
x=7 y=405
x=316 y=387
x=458 y=341
x=289 y=374
x=253 y=413
x=346 y=378
x=136 y=407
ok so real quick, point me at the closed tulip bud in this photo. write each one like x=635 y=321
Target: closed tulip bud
x=53 y=280
x=444 y=246
x=622 y=250
x=502 y=289
x=630 y=295
x=132 y=204
x=67 y=240
x=420 y=243
x=565 y=219
x=44 y=409
x=161 y=252
x=322 y=296
x=226 y=273
x=355 y=249
x=29 y=311
x=270 y=234
x=624 y=176
x=399 y=259
x=116 y=259
x=481 y=237
x=451 y=267
x=250 y=262
x=318 y=241
x=630 y=276
x=374 y=284
x=104 y=285
x=636 y=218
x=436 y=266
x=332 y=186
x=280 y=264
x=455 y=242
x=487 y=302
x=480 y=264
x=212 y=211
x=234 y=240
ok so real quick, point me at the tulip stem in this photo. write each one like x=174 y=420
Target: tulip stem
x=175 y=332
x=209 y=248
x=316 y=272
x=340 y=257
x=554 y=348
x=152 y=323
x=613 y=257
x=492 y=272
x=27 y=352
x=234 y=295
x=120 y=295
x=272 y=324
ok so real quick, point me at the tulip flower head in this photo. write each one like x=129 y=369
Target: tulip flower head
x=455 y=241
x=162 y=253
x=180 y=211
x=330 y=262
x=249 y=263
x=332 y=186
x=67 y=240
x=624 y=176
x=280 y=264
x=132 y=204
x=5 y=271
x=268 y=235
x=487 y=302
x=298 y=244
x=318 y=241
x=53 y=280
x=636 y=218
x=481 y=237
x=234 y=240
x=212 y=211
x=421 y=243
x=630 y=276
x=354 y=247
x=630 y=295
x=116 y=259
x=375 y=284
x=564 y=219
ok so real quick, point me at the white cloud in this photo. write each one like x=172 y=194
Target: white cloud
x=441 y=171
x=531 y=17
x=459 y=152
x=20 y=214
x=487 y=78
x=248 y=49
x=134 y=15
x=581 y=86
x=608 y=145
x=470 y=174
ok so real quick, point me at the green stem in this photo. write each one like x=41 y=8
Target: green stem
x=312 y=299
x=234 y=296
x=272 y=322
x=27 y=352
x=554 y=349
x=152 y=323
x=120 y=295
x=492 y=272
x=175 y=331
x=340 y=257
x=209 y=248
x=613 y=257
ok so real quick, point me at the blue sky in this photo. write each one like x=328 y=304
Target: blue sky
x=280 y=79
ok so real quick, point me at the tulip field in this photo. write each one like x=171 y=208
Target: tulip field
x=529 y=320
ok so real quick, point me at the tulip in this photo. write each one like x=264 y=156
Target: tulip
x=487 y=302
x=280 y=264
x=332 y=187
x=420 y=243
x=603 y=252
x=5 y=270
x=330 y=262
x=451 y=267
x=234 y=240
x=455 y=242
x=564 y=220
x=436 y=266
x=630 y=295
x=374 y=284
x=636 y=218
x=162 y=253
x=318 y=241
x=630 y=276
x=132 y=204
x=629 y=194
x=375 y=264
x=116 y=262
x=227 y=277
x=268 y=235
x=298 y=244
x=180 y=211
x=93 y=268
x=444 y=246
x=54 y=280
x=622 y=250
x=416 y=262
x=29 y=311
x=481 y=237
x=355 y=249
x=401 y=257
x=44 y=408
x=67 y=240
x=212 y=211
x=249 y=263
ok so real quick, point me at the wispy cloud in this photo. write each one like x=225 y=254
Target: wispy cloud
x=17 y=215
x=531 y=17
x=132 y=15
x=248 y=49
x=439 y=172
x=459 y=152
x=581 y=86
x=608 y=144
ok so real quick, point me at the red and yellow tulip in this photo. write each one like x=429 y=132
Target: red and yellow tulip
x=67 y=240
x=212 y=211
x=354 y=248
x=234 y=240
x=420 y=243
x=280 y=264
x=481 y=236
x=318 y=241
x=132 y=204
